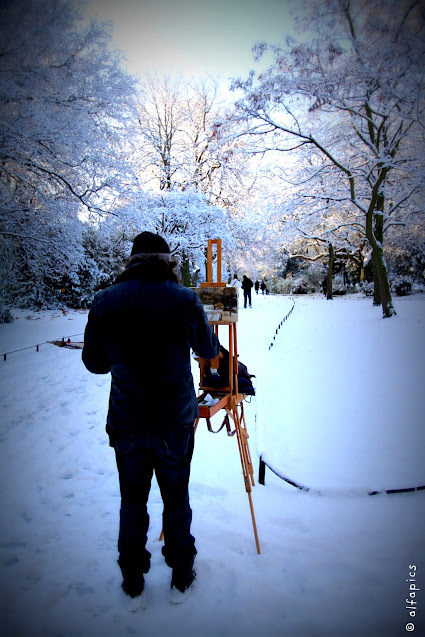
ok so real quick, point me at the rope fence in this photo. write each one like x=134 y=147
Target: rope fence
x=285 y=318
x=301 y=487
x=38 y=345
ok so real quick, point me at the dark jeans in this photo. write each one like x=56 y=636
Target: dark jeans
x=247 y=297
x=168 y=454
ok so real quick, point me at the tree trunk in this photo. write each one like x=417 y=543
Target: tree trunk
x=329 y=274
x=377 y=299
x=384 y=285
x=195 y=277
x=381 y=267
x=379 y=235
x=185 y=271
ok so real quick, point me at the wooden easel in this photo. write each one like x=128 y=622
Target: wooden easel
x=229 y=398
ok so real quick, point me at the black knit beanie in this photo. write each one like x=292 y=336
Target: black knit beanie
x=150 y=243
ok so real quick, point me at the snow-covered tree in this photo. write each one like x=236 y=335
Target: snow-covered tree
x=352 y=91
x=186 y=220
x=216 y=161
x=65 y=109
x=189 y=139
x=190 y=151
x=314 y=227
x=160 y=120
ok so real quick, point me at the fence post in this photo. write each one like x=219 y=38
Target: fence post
x=262 y=472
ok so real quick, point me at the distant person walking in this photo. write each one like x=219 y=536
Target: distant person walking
x=247 y=286
x=263 y=287
x=257 y=286
x=236 y=283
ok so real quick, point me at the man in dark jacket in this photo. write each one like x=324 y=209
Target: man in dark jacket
x=247 y=287
x=142 y=329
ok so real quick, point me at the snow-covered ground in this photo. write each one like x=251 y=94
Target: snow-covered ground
x=339 y=410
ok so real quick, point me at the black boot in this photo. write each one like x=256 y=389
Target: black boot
x=133 y=583
x=181 y=583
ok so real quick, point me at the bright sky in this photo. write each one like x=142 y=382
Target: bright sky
x=193 y=37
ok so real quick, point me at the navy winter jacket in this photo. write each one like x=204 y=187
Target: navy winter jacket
x=142 y=332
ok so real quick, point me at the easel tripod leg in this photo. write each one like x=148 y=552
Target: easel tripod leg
x=246 y=467
x=254 y=524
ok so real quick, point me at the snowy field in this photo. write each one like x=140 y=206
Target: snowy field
x=339 y=410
